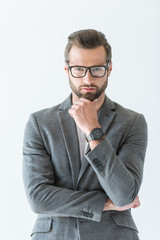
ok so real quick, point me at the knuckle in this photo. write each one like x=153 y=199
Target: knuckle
x=82 y=104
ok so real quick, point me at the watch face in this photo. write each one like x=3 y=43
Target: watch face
x=97 y=133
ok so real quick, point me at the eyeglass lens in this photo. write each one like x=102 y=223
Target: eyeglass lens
x=81 y=71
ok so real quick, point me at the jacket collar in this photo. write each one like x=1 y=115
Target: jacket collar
x=66 y=104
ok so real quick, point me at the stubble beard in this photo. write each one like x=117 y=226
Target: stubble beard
x=90 y=96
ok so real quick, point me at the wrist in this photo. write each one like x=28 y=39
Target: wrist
x=95 y=143
x=95 y=135
x=89 y=129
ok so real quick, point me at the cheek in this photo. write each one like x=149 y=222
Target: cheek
x=104 y=83
x=101 y=81
x=73 y=84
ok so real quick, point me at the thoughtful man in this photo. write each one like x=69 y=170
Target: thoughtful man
x=83 y=159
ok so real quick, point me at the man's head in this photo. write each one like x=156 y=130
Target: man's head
x=87 y=39
x=88 y=48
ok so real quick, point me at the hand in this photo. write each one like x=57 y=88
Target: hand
x=84 y=113
x=110 y=205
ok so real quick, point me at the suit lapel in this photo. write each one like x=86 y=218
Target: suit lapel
x=106 y=115
x=105 y=118
x=84 y=166
x=69 y=132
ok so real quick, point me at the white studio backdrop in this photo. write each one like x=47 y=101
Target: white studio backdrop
x=33 y=35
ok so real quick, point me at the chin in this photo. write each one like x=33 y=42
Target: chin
x=89 y=96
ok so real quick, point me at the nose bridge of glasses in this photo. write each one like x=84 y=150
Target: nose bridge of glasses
x=88 y=72
x=88 y=78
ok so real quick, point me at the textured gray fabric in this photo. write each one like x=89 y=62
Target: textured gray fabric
x=82 y=142
x=68 y=196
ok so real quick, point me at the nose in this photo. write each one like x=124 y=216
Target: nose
x=88 y=79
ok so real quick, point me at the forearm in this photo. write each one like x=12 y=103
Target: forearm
x=116 y=180
x=43 y=193
x=120 y=171
x=56 y=201
x=45 y=197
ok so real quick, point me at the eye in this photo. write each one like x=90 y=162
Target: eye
x=79 y=69
x=96 y=69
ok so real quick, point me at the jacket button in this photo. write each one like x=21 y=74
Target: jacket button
x=81 y=213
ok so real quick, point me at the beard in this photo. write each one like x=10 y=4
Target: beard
x=90 y=96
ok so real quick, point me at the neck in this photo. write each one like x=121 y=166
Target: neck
x=100 y=102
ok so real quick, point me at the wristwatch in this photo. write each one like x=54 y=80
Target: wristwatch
x=96 y=134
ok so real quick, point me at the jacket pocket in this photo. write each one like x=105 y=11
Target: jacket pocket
x=42 y=226
x=124 y=220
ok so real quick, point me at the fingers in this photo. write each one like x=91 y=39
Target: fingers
x=84 y=113
x=78 y=106
x=136 y=205
x=110 y=205
x=75 y=106
x=136 y=202
x=70 y=112
x=82 y=102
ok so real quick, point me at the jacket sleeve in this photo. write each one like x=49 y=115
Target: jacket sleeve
x=40 y=185
x=120 y=173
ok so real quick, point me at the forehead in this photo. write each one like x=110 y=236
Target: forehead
x=87 y=57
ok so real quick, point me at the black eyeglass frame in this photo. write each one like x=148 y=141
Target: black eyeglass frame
x=88 y=68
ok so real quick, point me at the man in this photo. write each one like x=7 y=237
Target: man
x=83 y=159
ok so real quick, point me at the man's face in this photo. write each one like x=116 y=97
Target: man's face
x=88 y=87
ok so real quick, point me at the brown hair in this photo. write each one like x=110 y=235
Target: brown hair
x=88 y=39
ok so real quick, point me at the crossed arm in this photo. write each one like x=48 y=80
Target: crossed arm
x=85 y=114
x=46 y=198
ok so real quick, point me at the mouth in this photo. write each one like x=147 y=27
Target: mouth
x=88 y=89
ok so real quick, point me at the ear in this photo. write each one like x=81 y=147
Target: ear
x=110 y=69
x=66 y=68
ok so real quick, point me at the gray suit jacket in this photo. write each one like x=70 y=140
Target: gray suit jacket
x=69 y=197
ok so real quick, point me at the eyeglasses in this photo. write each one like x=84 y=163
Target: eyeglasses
x=95 y=71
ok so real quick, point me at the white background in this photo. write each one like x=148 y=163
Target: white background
x=33 y=35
